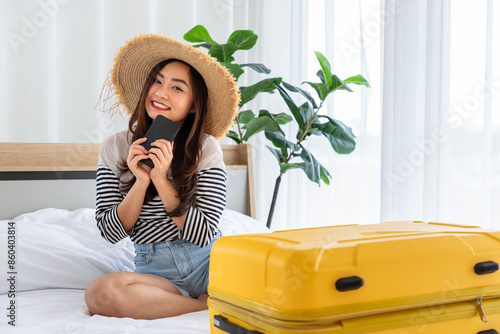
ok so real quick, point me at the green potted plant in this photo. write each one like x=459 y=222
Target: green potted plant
x=290 y=154
x=247 y=123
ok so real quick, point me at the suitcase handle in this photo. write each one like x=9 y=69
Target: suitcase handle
x=349 y=283
x=227 y=326
x=489 y=331
x=487 y=267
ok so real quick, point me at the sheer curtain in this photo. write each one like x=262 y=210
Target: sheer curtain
x=348 y=34
x=288 y=49
x=440 y=137
x=428 y=129
x=55 y=56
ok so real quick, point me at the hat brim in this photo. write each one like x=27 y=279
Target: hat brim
x=134 y=61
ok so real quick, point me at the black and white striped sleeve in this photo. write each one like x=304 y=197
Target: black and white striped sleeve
x=202 y=220
x=108 y=197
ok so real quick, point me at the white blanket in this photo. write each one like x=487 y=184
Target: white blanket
x=57 y=254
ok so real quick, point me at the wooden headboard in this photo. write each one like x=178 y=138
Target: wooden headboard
x=62 y=175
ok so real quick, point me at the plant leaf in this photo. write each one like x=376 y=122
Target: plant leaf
x=321 y=76
x=306 y=111
x=285 y=167
x=325 y=175
x=277 y=154
x=202 y=45
x=320 y=88
x=337 y=83
x=279 y=140
x=336 y=122
x=266 y=85
x=259 y=68
x=304 y=93
x=243 y=39
x=199 y=34
x=234 y=136
x=235 y=69
x=259 y=124
x=281 y=118
x=223 y=52
x=312 y=166
x=292 y=106
x=245 y=116
x=340 y=136
x=325 y=67
x=358 y=80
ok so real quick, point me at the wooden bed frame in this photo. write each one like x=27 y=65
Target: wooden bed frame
x=32 y=176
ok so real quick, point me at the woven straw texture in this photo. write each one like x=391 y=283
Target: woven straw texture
x=139 y=55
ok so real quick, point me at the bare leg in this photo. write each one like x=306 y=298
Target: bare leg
x=138 y=296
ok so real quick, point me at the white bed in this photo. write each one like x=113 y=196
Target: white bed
x=58 y=252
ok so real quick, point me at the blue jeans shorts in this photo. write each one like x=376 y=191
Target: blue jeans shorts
x=181 y=262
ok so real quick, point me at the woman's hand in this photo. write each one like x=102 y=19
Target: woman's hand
x=137 y=153
x=161 y=153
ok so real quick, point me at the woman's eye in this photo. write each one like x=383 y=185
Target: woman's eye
x=177 y=88
x=157 y=81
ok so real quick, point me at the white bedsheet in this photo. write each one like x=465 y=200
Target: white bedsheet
x=58 y=253
x=64 y=311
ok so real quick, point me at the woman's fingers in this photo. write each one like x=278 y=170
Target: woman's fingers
x=163 y=151
x=140 y=140
x=137 y=145
x=137 y=153
x=139 y=157
x=137 y=149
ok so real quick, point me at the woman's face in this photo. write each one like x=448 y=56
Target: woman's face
x=171 y=94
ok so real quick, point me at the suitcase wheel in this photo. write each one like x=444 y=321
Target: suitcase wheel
x=489 y=331
x=484 y=268
x=227 y=326
x=349 y=283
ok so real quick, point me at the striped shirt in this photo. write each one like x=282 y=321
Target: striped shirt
x=154 y=224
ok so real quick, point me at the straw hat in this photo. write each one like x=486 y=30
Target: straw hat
x=140 y=54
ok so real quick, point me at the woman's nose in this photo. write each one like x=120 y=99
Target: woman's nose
x=162 y=93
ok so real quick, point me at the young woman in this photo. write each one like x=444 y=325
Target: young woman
x=171 y=211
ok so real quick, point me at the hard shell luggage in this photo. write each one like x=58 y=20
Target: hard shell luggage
x=389 y=278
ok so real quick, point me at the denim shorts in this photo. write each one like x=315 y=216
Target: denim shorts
x=181 y=262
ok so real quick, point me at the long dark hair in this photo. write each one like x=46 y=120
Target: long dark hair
x=187 y=147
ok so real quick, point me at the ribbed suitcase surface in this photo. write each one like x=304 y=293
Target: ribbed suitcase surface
x=389 y=278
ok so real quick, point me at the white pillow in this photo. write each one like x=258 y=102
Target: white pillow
x=233 y=222
x=64 y=249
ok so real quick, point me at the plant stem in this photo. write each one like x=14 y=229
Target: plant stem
x=239 y=130
x=273 y=202
x=288 y=158
x=306 y=130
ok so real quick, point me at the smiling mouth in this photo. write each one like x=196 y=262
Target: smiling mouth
x=159 y=105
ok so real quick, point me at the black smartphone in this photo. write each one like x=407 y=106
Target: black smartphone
x=162 y=128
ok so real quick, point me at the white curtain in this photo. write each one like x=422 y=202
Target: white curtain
x=428 y=143
x=348 y=34
x=440 y=107
x=55 y=56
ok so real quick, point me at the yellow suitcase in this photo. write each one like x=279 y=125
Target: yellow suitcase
x=389 y=278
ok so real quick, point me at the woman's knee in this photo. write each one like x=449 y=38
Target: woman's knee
x=103 y=295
